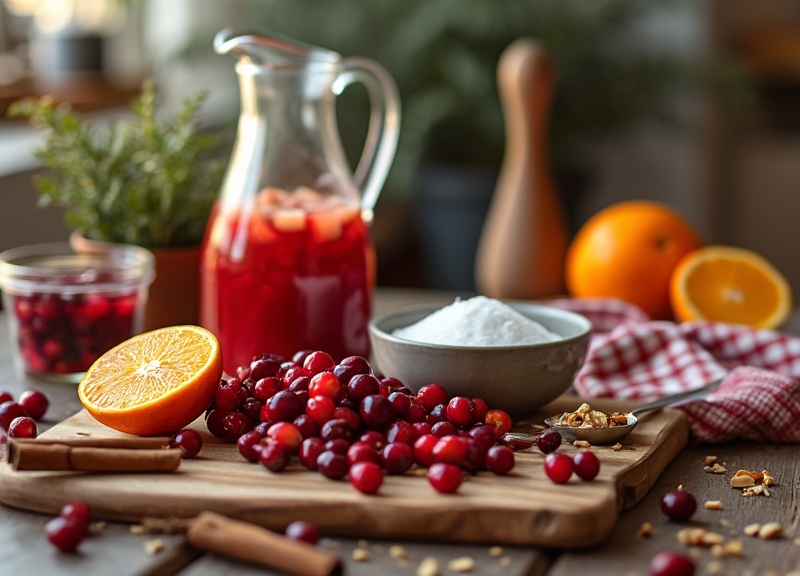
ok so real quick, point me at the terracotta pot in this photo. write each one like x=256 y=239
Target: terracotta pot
x=174 y=294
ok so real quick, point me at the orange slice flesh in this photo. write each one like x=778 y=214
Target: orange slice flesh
x=155 y=383
x=727 y=284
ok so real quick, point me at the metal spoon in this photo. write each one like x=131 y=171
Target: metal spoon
x=614 y=434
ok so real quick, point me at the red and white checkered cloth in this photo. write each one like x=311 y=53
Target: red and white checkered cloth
x=631 y=357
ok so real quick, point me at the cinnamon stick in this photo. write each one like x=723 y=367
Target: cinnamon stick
x=53 y=456
x=216 y=533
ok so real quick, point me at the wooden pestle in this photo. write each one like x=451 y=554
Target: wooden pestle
x=524 y=239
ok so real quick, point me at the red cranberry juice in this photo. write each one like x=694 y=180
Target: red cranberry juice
x=287 y=280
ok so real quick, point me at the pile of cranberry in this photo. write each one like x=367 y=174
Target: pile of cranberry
x=18 y=418
x=344 y=421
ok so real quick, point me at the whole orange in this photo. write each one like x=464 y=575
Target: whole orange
x=628 y=251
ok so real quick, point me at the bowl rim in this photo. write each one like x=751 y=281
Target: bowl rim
x=586 y=331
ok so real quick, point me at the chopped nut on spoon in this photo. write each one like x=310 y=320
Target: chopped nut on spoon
x=585 y=417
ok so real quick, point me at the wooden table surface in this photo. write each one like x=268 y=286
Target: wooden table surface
x=115 y=550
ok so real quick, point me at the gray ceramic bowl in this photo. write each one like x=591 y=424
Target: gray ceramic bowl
x=518 y=379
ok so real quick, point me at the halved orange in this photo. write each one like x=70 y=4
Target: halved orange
x=155 y=383
x=727 y=284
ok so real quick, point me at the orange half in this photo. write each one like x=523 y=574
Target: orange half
x=155 y=383
x=727 y=284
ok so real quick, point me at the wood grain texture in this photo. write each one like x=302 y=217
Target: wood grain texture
x=524 y=508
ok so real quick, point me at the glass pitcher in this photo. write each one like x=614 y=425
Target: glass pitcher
x=287 y=262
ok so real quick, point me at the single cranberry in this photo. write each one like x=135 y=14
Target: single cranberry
x=22 y=427
x=376 y=412
x=65 y=534
x=300 y=384
x=5 y=396
x=358 y=363
x=226 y=398
x=302 y=531
x=558 y=467
x=444 y=428
x=362 y=452
x=476 y=456
x=264 y=367
x=215 y=424
x=338 y=445
x=671 y=564
x=366 y=477
x=390 y=384
x=243 y=373
x=189 y=441
x=300 y=356
x=451 y=450
x=431 y=396
x=374 y=439
x=273 y=456
x=266 y=388
x=361 y=386
x=587 y=465
x=307 y=426
x=248 y=445
x=416 y=412
x=549 y=441
x=349 y=415
x=445 y=478
x=237 y=423
x=397 y=457
x=400 y=403
x=8 y=411
x=499 y=420
x=284 y=406
x=481 y=409
x=423 y=449
x=320 y=408
x=401 y=431
x=252 y=409
x=421 y=428
x=287 y=434
x=310 y=449
x=678 y=504
x=77 y=511
x=292 y=374
x=324 y=384
x=344 y=373
x=332 y=465
x=317 y=362
x=336 y=428
x=483 y=435
x=438 y=414
x=34 y=403
x=500 y=460
x=461 y=411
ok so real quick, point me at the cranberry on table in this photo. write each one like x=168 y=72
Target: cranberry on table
x=461 y=411
x=397 y=457
x=318 y=361
x=249 y=445
x=451 y=450
x=679 y=505
x=5 y=396
x=445 y=478
x=587 y=465
x=376 y=412
x=302 y=531
x=500 y=460
x=8 y=411
x=431 y=396
x=366 y=477
x=332 y=465
x=499 y=420
x=22 y=427
x=671 y=564
x=558 y=467
x=189 y=441
x=548 y=441
x=273 y=456
x=77 y=511
x=34 y=403
x=65 y=534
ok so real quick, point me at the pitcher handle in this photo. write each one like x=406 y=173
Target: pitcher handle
x=384 y=126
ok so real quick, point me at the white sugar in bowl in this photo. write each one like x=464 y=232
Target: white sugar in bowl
x=517 y=378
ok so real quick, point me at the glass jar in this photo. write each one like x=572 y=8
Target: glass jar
x=66 y=309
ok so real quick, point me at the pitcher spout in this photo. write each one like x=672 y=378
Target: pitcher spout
x=270 y=50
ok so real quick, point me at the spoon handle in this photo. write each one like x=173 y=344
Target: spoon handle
x=673 y=398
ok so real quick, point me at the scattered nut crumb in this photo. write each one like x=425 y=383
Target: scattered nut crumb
x=581 y=444
x=398 y=552
x=734 y=548
x=617 y=447
x=713 y=539
x=645 y=530
x=505 y=561
x=136 y=529
x=742 y=481
x=461 y=564
x=768 y=480
x=428 y=567
x=153 y=547
x=496 y=551
x=699 y=537
x=716 y=468
x=752 y=529
x=770 y=530
x=98 y=526
x=714 y=567
x=796 y=542
x=360 y=555
x=710 y=460
x=713 y=505
x=760 y=489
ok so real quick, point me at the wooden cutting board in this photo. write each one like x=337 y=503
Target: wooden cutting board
x=523 y=508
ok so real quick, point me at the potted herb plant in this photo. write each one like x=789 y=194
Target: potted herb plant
x=142 y=180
